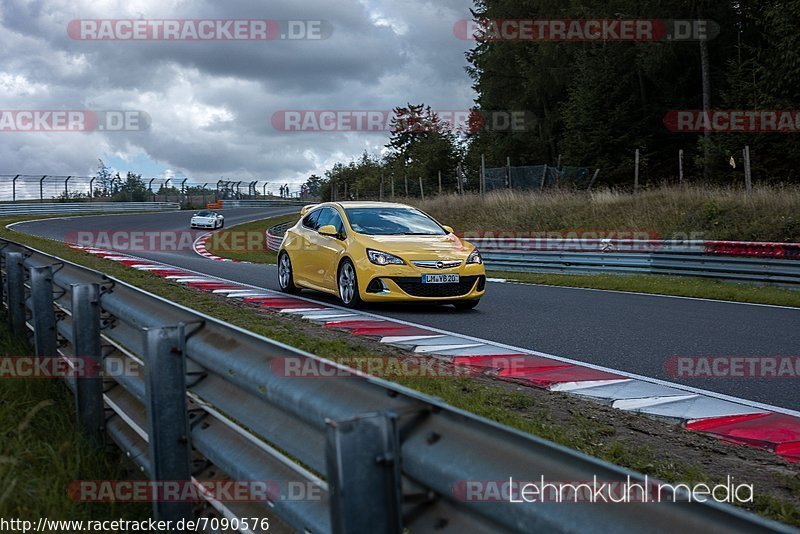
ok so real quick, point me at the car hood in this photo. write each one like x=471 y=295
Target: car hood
x=420 y=247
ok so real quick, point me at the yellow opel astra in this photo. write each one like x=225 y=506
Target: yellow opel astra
x=379 y=252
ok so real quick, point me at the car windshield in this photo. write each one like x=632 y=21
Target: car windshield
x=392 y=221
x=203 y=214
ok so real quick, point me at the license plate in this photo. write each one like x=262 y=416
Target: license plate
x=440 y=278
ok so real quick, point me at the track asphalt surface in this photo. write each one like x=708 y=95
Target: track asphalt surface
x=622 y=331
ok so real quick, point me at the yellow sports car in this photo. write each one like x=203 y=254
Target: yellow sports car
x=379 y=252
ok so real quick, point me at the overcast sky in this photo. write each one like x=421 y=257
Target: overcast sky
x=211 y=102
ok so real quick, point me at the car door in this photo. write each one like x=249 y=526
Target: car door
x=304 y=249
x=328 y=250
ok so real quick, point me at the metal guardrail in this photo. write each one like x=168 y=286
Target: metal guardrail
x=262 y=203
x=697 y=264
x=676 y=258
x=275 y=235
x=200 y=397
x=54 y=208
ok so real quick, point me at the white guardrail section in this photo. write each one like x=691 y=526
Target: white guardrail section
x=200 y=399
x=55 y=208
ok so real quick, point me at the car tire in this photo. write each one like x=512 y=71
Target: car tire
x=222 y=224
x=466 y=304
x=347 y=284
x=286 y=274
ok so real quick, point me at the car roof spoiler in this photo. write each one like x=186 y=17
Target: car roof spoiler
x=307 y=208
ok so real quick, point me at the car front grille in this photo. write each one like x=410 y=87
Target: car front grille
x=413 y=286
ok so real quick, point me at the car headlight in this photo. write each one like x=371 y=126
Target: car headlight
x=383 y=258
x=474 y=257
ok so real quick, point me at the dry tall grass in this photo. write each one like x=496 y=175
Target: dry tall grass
x=767 y=214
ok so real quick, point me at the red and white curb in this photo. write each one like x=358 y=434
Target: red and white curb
x=728 y=418
x=199 y=247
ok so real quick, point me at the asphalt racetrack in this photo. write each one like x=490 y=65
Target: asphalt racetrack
x=622 y=331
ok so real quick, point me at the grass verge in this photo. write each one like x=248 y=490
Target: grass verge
x=769 y=213
x=658 y=449
x=229 y=243
x=42 y=451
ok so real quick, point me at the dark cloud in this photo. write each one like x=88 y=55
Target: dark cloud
x=211 y=102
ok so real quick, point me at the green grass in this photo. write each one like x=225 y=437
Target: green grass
x=229 y=243
x=42 y=451
x=663 y=285
x=514 y=407
x=770 y=213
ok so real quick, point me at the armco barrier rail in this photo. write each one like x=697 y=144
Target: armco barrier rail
x=199 y=400
x=262 y=203
x=275 y=235
x=697 y=264
x=728 y=260
x=84 y=207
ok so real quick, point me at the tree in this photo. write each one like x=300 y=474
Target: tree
x=420 y=147
x=104 y=180
x=313 y=184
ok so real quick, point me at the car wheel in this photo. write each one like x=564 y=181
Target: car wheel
x=222 y=224
x=285 y=278
x=466 y=304
x=348 y=285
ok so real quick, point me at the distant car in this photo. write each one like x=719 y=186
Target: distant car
x=208 y=219
x=379 y=252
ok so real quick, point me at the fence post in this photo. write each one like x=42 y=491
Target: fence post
x=169 y=447
x=508 y=172
x=421 y=191
x=748 y=175
x=66 y=188
x=636 y=175
x=86 y=346
x=362 y=455
x=440 y=183
x=483 y=175
x=15 y=289
x=43 y=314
x=594 y=179
x=393 y=187
x=14 y=189
x=41 y=188
x=544 y=178
x=380 y=193
x=680 y=166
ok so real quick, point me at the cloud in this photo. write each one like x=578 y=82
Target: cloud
x=210 y=103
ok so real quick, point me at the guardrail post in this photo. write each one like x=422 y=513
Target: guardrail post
x=44 y=316
x=86 y=346
x=363 y=462
x=15 y=289
x=167 y=420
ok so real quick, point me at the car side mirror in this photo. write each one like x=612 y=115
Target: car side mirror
x=448 y=229
x=329 y=230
